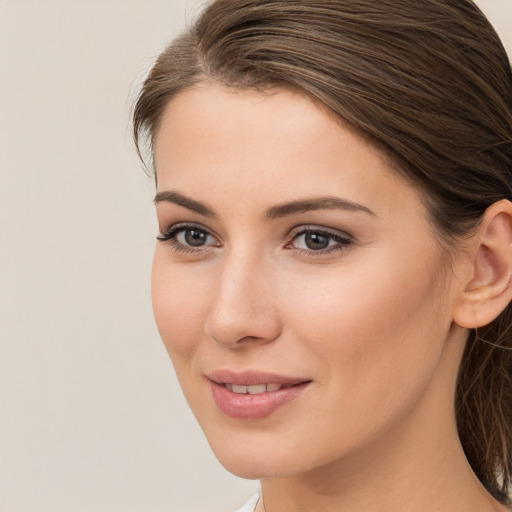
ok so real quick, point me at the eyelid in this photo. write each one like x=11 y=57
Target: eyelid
x=309 y=228
x=169 y=236
x=342 y=238
x=177 y=226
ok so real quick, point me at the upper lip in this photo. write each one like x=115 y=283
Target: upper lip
x=251 y=378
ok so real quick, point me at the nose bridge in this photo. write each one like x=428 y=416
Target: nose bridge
x=242 y=308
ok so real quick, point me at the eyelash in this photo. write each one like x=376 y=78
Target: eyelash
x=342 y=241
x=169 y=237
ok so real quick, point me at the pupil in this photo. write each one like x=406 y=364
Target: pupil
x=195 y=238
x=316 y=241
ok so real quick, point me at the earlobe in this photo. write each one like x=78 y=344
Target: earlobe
x=488 y=290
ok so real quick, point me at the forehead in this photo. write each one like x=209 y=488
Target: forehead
x=280 y=144
x=231 y=114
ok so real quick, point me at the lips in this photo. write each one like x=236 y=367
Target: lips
x=252 y=378
x=256 y=389
x=253 y=395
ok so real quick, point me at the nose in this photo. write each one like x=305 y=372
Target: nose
x=243 y=310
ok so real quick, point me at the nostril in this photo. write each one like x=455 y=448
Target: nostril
x=249 y=339
x=243 y=329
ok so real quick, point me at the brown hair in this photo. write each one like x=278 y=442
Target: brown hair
x=428 y=81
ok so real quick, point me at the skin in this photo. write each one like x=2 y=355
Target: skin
x=369 y=320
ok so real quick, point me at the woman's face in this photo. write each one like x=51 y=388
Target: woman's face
x=298 y=286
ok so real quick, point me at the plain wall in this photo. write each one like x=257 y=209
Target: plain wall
x=91 y=415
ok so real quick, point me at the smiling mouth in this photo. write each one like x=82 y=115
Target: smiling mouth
x=253 y=395
x=256 y=389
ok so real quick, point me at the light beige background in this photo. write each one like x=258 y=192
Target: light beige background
x=91 y=416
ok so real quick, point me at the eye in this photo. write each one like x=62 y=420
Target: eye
x=188 y=237
x=193 y=237
x=317 y=241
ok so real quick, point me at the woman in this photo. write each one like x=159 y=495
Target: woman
x=332 y=277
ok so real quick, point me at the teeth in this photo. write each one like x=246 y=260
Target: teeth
x=253 y=390
x=239 y=389
x=256 y=390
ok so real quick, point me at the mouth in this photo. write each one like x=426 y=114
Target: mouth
x=253 y=382
x=257 y=389
x=254 y=395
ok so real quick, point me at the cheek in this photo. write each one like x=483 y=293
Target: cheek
x=372 y=326
x=374 y=341
x=179 y=306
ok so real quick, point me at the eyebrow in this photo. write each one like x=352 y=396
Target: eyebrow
x=275 y=212
x=170 y=196
x=316 y=203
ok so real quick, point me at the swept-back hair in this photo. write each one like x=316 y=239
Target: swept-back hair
x=430 y=83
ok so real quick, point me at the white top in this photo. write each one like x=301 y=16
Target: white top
x=250 y=506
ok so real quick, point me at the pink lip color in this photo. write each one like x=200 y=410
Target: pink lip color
x=252 y=407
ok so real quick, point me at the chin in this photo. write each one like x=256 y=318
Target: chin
x=254 y=455
x=246 y=458
x=252 y=468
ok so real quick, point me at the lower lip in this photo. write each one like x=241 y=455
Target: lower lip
x=244 y=406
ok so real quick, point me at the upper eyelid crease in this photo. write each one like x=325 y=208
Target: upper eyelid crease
x=182 y=226
x=295 y=233
x=314 y=228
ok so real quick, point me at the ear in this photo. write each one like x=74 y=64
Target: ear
x=487 y=290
